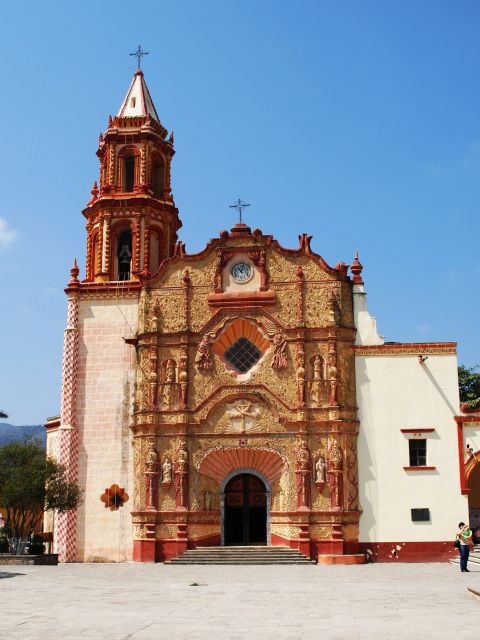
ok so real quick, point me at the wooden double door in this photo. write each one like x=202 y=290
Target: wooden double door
x=245 y=511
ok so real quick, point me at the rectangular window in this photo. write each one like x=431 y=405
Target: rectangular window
x=420 y=515
x=418 y=452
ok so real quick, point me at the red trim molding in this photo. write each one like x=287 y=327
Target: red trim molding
x=434 y=551
x=417 y=430
x=424 y=468
x=406 y=348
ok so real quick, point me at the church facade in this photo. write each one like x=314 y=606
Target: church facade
x=241 y=395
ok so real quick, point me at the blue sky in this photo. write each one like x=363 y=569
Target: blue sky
x=357 y=122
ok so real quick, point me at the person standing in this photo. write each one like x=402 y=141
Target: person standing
x=464 y=536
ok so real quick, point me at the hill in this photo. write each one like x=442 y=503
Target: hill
x=11 y=432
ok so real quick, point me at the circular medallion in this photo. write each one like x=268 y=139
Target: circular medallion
x=241 y=272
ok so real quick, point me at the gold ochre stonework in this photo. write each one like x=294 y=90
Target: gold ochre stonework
x=285 y=414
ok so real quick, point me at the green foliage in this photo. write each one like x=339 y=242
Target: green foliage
x=31 y=483
x=469 y=384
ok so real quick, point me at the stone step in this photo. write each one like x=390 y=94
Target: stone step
x=241 y=556
x=243 y=553
x=239 y=562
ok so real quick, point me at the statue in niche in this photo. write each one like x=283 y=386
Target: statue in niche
x=203 y=359
x=151 y=458
x=207 y=499
x=279 y=360
x=167 y=470
x=320 y=470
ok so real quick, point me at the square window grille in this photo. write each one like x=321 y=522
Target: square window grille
x=418 y=452
x=243 y=354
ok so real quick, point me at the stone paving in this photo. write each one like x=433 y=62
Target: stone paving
x=150 y=602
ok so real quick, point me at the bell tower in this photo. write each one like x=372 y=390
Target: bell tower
x=132 y=220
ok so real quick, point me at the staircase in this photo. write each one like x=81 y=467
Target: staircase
x=473 y=559
x=241 y=555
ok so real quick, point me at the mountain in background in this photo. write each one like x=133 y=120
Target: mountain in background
x=11 y=432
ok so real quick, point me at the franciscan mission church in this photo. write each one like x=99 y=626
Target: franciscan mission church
x=242 y=395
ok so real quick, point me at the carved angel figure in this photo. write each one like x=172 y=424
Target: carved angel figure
x=279 y=360
x=203 y=359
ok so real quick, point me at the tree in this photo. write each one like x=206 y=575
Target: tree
x=31 y=483
x=469 y=384
x=3 y=415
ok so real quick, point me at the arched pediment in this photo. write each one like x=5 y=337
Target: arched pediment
x=217 y=463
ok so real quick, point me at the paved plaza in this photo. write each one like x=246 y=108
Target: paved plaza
x=143 y=602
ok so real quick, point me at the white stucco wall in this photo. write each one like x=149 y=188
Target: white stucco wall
x=395 y=392
x=105 y=385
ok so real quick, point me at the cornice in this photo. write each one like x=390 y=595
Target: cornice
x=407 y=348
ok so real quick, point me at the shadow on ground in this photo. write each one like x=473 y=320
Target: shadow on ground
x=8 y=574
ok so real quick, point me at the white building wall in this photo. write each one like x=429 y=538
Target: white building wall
x=105 y=388
x=396 y=392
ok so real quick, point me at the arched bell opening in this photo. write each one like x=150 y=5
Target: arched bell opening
x=128 y=169
x=123 y=255
x=245 y=497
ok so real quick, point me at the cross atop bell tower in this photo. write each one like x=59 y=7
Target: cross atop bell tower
x=132 y=220
x=139 y=53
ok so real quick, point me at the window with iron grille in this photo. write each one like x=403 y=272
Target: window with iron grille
x=418 y=452
x=243 y=354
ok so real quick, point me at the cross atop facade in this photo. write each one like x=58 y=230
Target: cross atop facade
x=139 y=53
x=240 y=206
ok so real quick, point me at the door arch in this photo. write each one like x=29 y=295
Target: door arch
x=245 y=508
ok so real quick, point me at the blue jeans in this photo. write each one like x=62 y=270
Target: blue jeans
x=464 y=553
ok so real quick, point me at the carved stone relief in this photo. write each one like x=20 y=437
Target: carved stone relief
x=244 y=416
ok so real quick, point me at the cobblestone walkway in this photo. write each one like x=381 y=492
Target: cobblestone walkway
x=147 y=602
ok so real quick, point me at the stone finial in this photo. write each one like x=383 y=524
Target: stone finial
x=74 y=271
x=172 y=137
x=356 y=268
x=94 y=191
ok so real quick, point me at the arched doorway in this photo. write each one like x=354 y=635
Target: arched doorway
x=245 y=506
